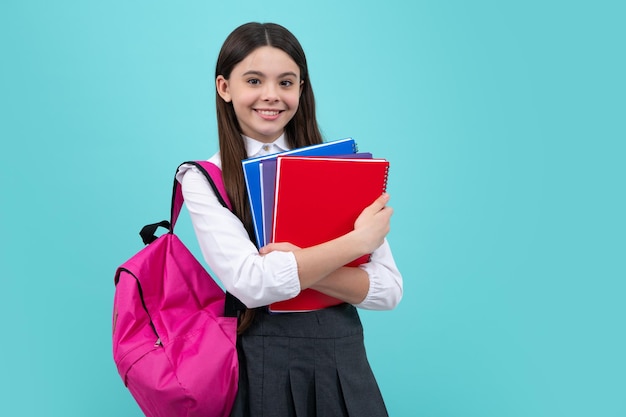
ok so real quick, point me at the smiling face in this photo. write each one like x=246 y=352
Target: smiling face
x=264 y=89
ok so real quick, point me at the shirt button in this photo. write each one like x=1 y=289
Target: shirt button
x=266 y=148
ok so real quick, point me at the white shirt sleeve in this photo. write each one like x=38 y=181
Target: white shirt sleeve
x=254 y=279
x=386 y=284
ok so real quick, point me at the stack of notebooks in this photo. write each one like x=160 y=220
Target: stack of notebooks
x=309 y=196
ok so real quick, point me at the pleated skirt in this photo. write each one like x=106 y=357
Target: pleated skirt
x=306 y=365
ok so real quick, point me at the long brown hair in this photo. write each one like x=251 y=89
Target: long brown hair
x=302 y=129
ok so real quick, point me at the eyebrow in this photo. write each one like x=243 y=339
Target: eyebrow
x=259 y=73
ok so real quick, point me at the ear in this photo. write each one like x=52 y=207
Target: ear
x=221 y=84
x=301 y=86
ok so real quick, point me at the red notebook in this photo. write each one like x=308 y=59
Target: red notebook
x=318 y=199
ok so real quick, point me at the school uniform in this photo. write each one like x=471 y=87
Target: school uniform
x=291 y=364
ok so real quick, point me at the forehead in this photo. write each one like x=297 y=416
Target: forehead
x=269 y=61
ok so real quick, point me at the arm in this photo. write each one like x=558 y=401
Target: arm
x=383 y=285
x=346 y=283
x=375 y=285
x=318 y=261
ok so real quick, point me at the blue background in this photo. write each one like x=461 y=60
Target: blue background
x=504 y=123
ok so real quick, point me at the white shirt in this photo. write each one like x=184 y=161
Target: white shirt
x=261 y=280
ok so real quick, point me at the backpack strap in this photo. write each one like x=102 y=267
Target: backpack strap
x=213 y=175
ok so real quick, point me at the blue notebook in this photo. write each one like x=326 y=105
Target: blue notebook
x=252 y=175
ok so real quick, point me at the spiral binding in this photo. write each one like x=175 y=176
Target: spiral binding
x=386 y=178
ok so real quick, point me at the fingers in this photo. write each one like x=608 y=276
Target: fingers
x=376 y=206
x=380 y=202
x=282 y=247
x=386 y=213
x=373 y=209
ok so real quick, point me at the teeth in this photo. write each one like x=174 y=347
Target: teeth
x=268 y=112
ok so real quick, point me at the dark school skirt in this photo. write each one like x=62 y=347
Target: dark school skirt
x=306 y=365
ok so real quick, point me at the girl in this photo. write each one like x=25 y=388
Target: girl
x=292 y=364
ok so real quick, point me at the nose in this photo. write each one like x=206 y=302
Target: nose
x=270 y=92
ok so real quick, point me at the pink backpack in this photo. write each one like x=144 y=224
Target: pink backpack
x=172 y=343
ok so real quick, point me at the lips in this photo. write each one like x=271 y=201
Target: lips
x=268 y=114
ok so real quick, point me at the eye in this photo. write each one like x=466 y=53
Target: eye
x=286 y=83
x=254 y=81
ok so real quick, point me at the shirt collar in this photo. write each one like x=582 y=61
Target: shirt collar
x=255 y=148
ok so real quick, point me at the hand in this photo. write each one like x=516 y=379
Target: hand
x=281 y=246
x=374 y=222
